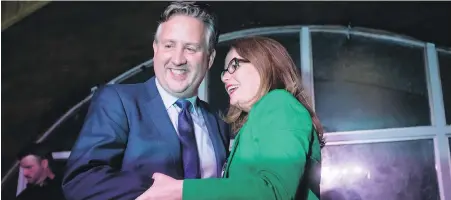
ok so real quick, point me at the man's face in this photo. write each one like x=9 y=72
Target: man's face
x=181 y=57
x=33 y=169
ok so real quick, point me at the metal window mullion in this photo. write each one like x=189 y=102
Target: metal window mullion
x=438 y=119
x=369 y=34
x=448 y=130
x=382 y=135
x=61 y=155
x=203 y=89
x=307 y=64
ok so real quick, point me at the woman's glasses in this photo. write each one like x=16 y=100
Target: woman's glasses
x=233 y=65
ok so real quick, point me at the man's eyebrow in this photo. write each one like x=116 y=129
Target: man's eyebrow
x=184 y=43
x=165 y=41
x=193 y=44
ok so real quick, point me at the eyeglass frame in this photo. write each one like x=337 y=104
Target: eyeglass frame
x=235 y=62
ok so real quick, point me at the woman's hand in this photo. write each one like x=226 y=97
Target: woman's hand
x=164 y=187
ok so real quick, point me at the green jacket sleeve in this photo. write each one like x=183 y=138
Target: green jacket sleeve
x=280 y=130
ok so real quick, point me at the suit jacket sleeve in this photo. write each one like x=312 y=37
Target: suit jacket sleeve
x=94 y=166
x=281 y=132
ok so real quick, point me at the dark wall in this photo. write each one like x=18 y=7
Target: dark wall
x=52 y=58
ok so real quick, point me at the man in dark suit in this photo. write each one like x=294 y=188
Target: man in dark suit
x=132 y=131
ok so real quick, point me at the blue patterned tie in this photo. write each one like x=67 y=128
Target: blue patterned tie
x=188 y=140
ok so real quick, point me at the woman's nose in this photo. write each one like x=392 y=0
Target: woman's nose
x=225 y=76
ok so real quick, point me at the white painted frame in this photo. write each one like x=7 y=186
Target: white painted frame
x=438 y=131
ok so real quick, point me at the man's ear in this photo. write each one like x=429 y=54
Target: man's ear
x=45 y=163
x=211 y=58
x=155 y=48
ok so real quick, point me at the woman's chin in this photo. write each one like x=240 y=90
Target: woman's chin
x=232 y=103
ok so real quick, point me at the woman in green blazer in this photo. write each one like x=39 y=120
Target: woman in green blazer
x=276 y=153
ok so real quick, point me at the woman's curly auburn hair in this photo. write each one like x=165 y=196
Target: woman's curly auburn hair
x=277 y=71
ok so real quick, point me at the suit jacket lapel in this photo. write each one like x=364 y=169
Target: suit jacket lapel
x=155 y=109
x=215 y=136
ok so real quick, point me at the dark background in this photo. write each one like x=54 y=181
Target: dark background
x=52 y=58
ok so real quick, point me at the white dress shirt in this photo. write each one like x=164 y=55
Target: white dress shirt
x=205 y=147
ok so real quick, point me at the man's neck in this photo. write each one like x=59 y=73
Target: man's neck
x=50 y=175
x=169 y=99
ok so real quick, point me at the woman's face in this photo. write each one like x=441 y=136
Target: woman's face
x=241 y=80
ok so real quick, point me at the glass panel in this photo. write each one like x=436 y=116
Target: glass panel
x=218 y=97
x=444 y=60
x=391 y=170
x=449 y=141
x=363 y=83
x=64 y=137
x=291 y=42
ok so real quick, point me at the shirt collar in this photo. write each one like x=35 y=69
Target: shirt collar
x=169 y=100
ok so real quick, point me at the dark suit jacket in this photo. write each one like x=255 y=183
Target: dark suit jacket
x=127 y=136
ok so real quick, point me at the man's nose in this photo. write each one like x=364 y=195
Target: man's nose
x=178 y=58
x=26 y=172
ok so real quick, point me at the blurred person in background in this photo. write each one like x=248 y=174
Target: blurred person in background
x=36 y=162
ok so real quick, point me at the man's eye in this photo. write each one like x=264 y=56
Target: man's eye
x=191 y=49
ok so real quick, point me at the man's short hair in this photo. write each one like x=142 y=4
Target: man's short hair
x=40 y=150
x=198 y=11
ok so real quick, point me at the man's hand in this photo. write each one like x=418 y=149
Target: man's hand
x=164 y=187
